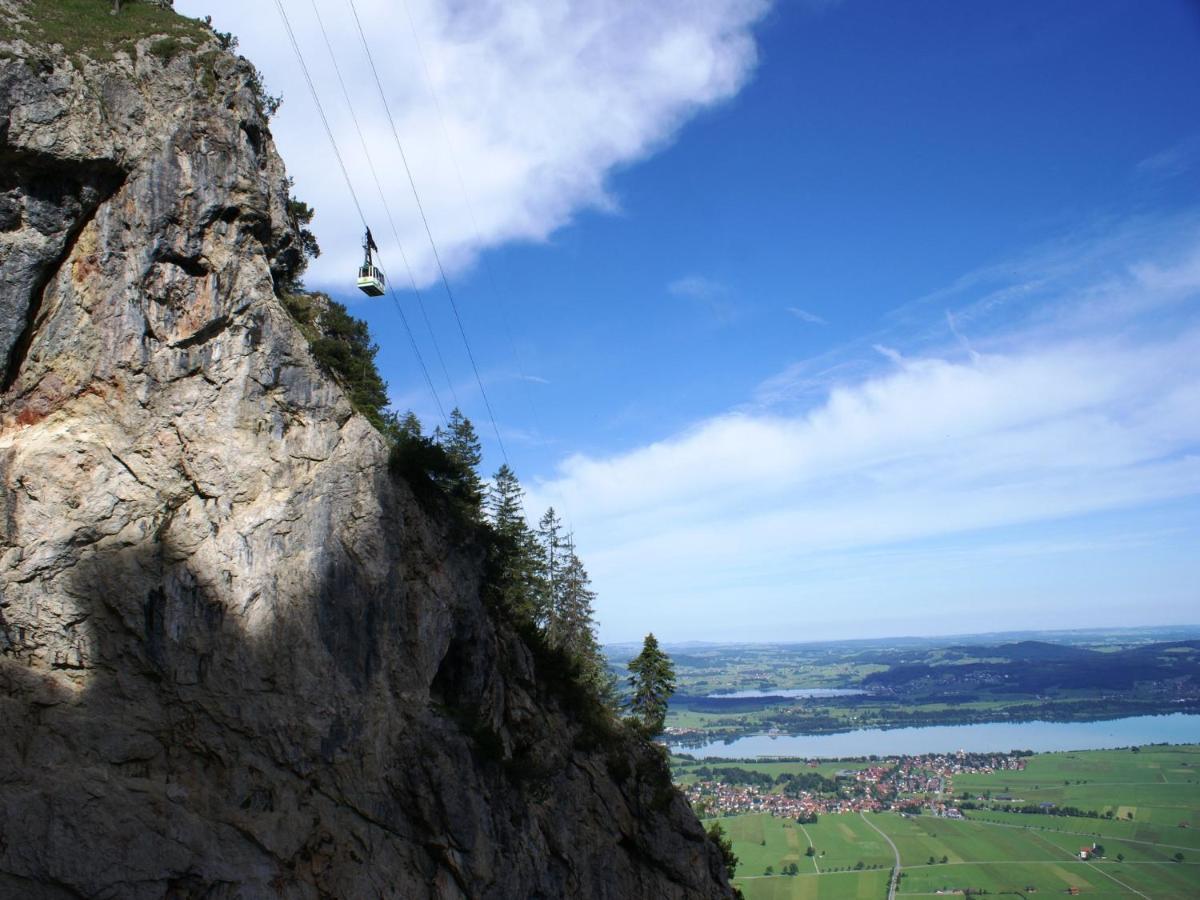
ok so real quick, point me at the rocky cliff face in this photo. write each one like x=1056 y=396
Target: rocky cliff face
x=237 y=658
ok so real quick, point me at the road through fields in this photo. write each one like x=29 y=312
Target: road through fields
x=896 y=868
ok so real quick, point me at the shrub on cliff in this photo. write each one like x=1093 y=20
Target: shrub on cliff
x=716 y=834
x=439 y=467
x=342 y=347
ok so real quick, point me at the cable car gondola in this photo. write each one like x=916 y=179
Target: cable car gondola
x=370 y=277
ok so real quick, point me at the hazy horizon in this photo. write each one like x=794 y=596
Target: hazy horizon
x=666 y=640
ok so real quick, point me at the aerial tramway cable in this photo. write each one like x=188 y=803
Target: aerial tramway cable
x=462 y=186
x=320 y=110
x=383 y=199
x=493 y=284
x=354 y=196
x=428 y=231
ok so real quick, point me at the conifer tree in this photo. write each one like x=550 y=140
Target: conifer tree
x=519 y=555
x=410 y=426
x=653 y=681
x=549 y=539
x=571 y=625
x=461 y=444
x=595 y=672
x=572 y=618
x=504 y=507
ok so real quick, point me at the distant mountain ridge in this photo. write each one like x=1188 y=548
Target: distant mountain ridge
x=1057 y=666
x=1057 y=637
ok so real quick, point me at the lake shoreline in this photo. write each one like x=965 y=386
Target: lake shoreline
x=1038 y=736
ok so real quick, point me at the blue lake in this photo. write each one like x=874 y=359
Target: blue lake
x=788 y=693
x=1041 y=737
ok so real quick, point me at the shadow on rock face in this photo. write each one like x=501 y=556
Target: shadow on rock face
x=185 y=749
x=183 y=757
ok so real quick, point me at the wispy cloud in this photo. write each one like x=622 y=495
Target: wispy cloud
x=952 y=324
x=713 y=296
x=1090 y=279
x=805 y=316
x=541 y=101
x=891 y=354
x=697 y=287
x=1175 y=160
x=525 y=436
x=1087 y=402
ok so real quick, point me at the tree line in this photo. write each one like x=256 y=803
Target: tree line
x=536 y=574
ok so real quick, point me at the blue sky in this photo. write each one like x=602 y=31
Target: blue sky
x=814 y=319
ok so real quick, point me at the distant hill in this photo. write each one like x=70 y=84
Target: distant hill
x=1082 y=637
x=1031 y=650
x=1036 y=667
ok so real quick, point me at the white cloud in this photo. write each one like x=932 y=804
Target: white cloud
x=805 y=316
x=540 y=99
x=1038 y=423
x=1001 y=426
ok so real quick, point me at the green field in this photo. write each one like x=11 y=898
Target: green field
x=979 y=855
x=1158 y=786
x=995 y=851
x=1104 y=830
x=840 y=886
x=839 y=842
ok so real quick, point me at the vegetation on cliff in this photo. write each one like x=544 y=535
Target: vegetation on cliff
x=98 y=30
x=342 y=346
x=535 y=577
x=89 y=27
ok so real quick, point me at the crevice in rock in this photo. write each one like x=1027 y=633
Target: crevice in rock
x=205 y=334
x=88 y=184
x=254 y=133
x=443 y=688
x=192 y=265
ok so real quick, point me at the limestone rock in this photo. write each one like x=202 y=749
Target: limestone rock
x=237 y=657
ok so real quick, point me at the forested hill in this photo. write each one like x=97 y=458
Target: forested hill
x=1037 y=667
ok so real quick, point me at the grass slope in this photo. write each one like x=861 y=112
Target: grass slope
x=87 y=27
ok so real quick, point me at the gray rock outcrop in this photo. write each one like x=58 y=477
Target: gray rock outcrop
x=237 y=657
